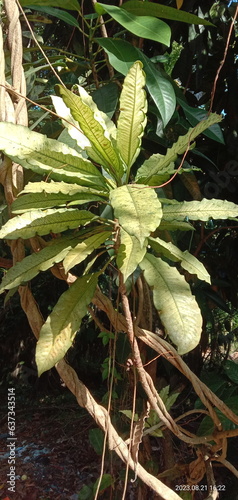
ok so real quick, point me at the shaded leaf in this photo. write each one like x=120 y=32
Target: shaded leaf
x=58 y=332
x=64 y=4
x=149 y=26
x=132 y=118
x=60 y=14
x=138 y=210
x=174 y=302
x=39 y=222
x=154 y=9
x=231 y=370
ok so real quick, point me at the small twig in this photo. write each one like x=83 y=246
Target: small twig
x=223 y=60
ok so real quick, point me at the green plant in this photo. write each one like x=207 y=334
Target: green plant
x=130 y=212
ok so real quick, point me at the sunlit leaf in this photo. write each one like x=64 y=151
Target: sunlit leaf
x=36 y=152
x=132 y=118
x=200 y=210
x=58 y=332
x=86 y=113
x=146 y=26
x=40 y=222
x=187 y=260
x=137 y=209
x=83 y=249
x=130 y=253
x=177 y=307
x=152 y=167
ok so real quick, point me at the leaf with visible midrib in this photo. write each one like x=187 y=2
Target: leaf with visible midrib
x=146 y=26
x=31 y=265
x=173 y=299
x=41 y=222
x=200 y=210
x=58 y=332
x=132 y=118
x=93 y=129
x=187 y=260
x=37 y=152
x=137 y=209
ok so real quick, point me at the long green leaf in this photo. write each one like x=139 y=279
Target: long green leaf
x=39 y=222
x=58 y=332
x=157 y=162
x=137 y=209
x=53 y=194
x=83 y=249
x=200 y=210
x=36 y=152
x=63 y=4
x=31 y=265
x=175 y=303
x=187 y=260
x=86 y=113
x=146 y=26
x=154 y=9
x=132 y=118
x=130 y=253
x=122 y=55
x=60 y=14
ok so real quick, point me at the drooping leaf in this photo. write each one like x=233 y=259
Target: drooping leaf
x=83 y=249
x=130 y=253
x=175 y=303
x=200 y=210
x=58 y=332
x=36 y=152
x=122 y=55
x=154 y=9
x=157 y=162
x=64 y=4
x=146 y=26
x=54 y=194
x=138 y=210
x=86 y=113
x=60 y=14
x=132 y=118
x=40 y=222
x=187 y=260
x=31 y=265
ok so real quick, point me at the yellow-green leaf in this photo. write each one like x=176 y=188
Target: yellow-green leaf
x=92 y=125
x=200 y=210
x=138 y=210
x=187 y=260
x=132 y=118
x=173 y=299
x=83 y=249
x=41 y=222
x=58 y=332
x=130 y=253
